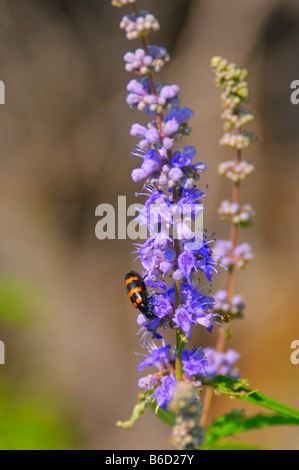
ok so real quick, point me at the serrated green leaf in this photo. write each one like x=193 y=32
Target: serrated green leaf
x=239 y=389
x=237 y=422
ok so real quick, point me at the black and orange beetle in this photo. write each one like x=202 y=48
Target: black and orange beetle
x=136 y=290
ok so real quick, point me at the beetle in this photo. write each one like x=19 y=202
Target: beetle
x=137 y=292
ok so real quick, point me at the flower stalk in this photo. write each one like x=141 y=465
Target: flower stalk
x=235 y=93
x=173 y=257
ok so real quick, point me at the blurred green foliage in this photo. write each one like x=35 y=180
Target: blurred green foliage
x=29 y=420
x=17 y=301
x=32 y=422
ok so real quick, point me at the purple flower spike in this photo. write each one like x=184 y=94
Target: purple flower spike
x=194 y=363
x=183 y=318
x=159 y=357
x=172 y=256
x=138 y=175
x=165 y=392
x=176 y=174
x=186 y=263
x=222 y=363
x=171 y=127
x=152 y=136
x=137 y=130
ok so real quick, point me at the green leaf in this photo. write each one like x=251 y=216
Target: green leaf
x=230 y=446
x=237 y=422
x=168 y=417
x=239 y=389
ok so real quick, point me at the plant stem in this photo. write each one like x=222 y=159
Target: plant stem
x=178 y=301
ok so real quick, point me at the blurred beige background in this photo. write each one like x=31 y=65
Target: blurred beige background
x=65 y=146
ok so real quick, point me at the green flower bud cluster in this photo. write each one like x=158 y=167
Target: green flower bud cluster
x=236 y=213
x=239 y=141
x=236 y=171
x=235 y=92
